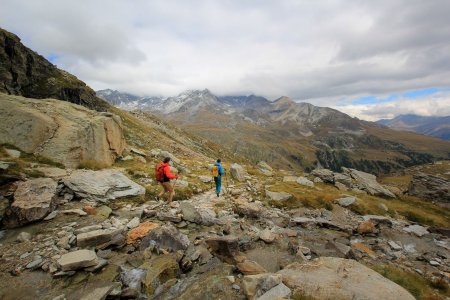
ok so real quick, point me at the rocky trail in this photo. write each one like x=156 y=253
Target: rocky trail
x=84 y=234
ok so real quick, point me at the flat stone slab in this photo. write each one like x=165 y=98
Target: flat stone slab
x=417 y=230
x=77 y=260
x=96 y=237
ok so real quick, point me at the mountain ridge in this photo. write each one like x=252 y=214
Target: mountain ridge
x=430 y=125
x=296 y=135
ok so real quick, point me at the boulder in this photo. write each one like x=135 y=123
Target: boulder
x=368 y=182
x=226 y=248
x=167 y=237
x=237 y=172
x=346 y=201
x=64 y=132
x=338 y=278
x=278 y=196
x=33 y=201
x=417 y=230
x=267 y=236
x=324 y=174
x=77 y=260
x=255 y=286
x=249 y=267
x=244 y=208
x=102 y=185
x=278 y=292
x=159 y=270
x=430 y=187
x=305 y=181
x=265 y=168
x=199 y=215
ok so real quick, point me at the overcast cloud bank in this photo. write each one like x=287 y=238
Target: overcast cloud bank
x=327 y=53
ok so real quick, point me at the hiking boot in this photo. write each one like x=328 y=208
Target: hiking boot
x=217 y=194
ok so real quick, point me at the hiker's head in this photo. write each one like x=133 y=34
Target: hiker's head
x=166 y=160
x=219 y=160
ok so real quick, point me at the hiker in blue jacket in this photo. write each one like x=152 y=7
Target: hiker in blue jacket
x=217 y=173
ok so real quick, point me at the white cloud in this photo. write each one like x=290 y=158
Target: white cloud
x=437 y=104
x=316 y=51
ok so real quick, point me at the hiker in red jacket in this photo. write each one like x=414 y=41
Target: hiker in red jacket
x=163 y=176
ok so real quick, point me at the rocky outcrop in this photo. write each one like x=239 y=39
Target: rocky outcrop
x=430 y=187
x=26 y=73
x=338 y=278
x=102 y=185
x=33 y=200
x=66 y=133
x=368 y=182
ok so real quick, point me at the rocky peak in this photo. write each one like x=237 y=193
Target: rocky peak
x=26 y=73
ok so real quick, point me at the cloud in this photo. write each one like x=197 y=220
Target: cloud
x=323 y=52
x=419 y=102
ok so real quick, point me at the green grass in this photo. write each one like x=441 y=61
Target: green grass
x=418 y=286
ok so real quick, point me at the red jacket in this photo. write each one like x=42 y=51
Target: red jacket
x=167 y=171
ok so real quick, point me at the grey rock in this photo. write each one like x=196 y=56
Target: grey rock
x=256 y=285
x=168 y=237
x=198 y=215
x=168 y=216
x=346 y=201
x=13 y=153
x=88 y=228
x=238 y=172
x=35 y=263
x=278 y=196
x=305 y=181
x=133 y=223
x=368 y=182
x=97 y=237
x=51 y=215
x=417 y=230
x=23 y=236
x=278 y=292
x=102 y=185
x=324 y=174
x=394 y=246
x=338 y=278
x=77 y=260
x=33 y=200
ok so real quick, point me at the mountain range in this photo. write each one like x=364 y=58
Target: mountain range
x=286 y=133
x=430 y=125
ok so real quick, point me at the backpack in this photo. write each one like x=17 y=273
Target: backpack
x=215 y=171
x=159 y=172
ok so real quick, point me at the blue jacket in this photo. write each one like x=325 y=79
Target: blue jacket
x=221 y=172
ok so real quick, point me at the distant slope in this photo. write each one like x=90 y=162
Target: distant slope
x=24 y=72
x=295 y=135
x=434 y=126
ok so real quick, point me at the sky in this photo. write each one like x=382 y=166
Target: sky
x=370 y=59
